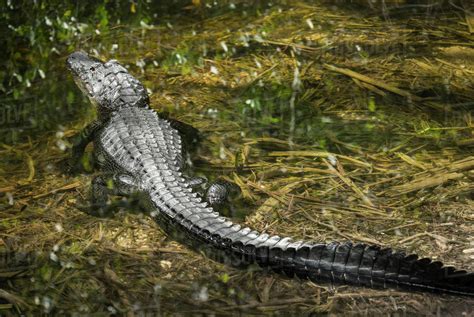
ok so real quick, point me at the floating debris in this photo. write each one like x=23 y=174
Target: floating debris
x=224 y=46
x=214 y=70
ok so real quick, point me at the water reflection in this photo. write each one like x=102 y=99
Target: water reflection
x=336 y=122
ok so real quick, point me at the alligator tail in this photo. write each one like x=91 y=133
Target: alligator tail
x=365 y=265
x=336 y=262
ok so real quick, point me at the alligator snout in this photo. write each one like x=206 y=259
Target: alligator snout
x=76 y=57
x=80 y=60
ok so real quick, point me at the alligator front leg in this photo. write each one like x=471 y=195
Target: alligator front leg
x=80 y=142
x=189 y=133
x=103 y=186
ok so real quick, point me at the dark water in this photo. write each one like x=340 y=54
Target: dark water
x=345 y=106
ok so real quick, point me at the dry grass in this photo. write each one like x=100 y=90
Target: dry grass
x=387 y=159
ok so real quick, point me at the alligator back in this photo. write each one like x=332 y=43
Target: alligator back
x=139 y=143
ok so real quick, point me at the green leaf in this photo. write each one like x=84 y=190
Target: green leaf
x=371 y=104
x=224 y=278
x=70 y=97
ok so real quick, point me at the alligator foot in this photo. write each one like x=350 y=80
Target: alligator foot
x=103 y=210
x=219 y=195
x=104 y=186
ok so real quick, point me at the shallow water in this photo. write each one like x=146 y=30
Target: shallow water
x=337 y=123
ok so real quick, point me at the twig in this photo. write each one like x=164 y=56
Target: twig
x=373 y=82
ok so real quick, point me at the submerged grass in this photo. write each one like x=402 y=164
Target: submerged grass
x=336 y=124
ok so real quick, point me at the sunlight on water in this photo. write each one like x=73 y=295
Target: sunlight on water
x=333 y=121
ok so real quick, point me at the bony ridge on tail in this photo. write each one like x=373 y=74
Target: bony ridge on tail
x=142 y=154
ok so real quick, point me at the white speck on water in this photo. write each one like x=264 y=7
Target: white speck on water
x=53 y=257
x=145 y=25
x=58 y=227
x=253 y=103
x=157 y=288
x=212 y=113
x=180 y=59
x=165 y=264
x=214 y=70
x=82 y=27
x=325 y=119
x=67 y=265
x=18 y=77
x=55 y=50
x=112 y=310
x=141 y=64
x=202 y=295
x=84 y=308
x=61 y=145
x=258 y=63
x=332 y=160
x=11 y=201
x=224 y=46
x=222 y=154
x=258 y=38
x=244 y=38
x=310 y=23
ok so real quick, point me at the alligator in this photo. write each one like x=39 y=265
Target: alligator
x=141 y=155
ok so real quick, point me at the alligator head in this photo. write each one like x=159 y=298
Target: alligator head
x=108 y=85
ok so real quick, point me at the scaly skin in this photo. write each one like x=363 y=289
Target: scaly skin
x=142 y=154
